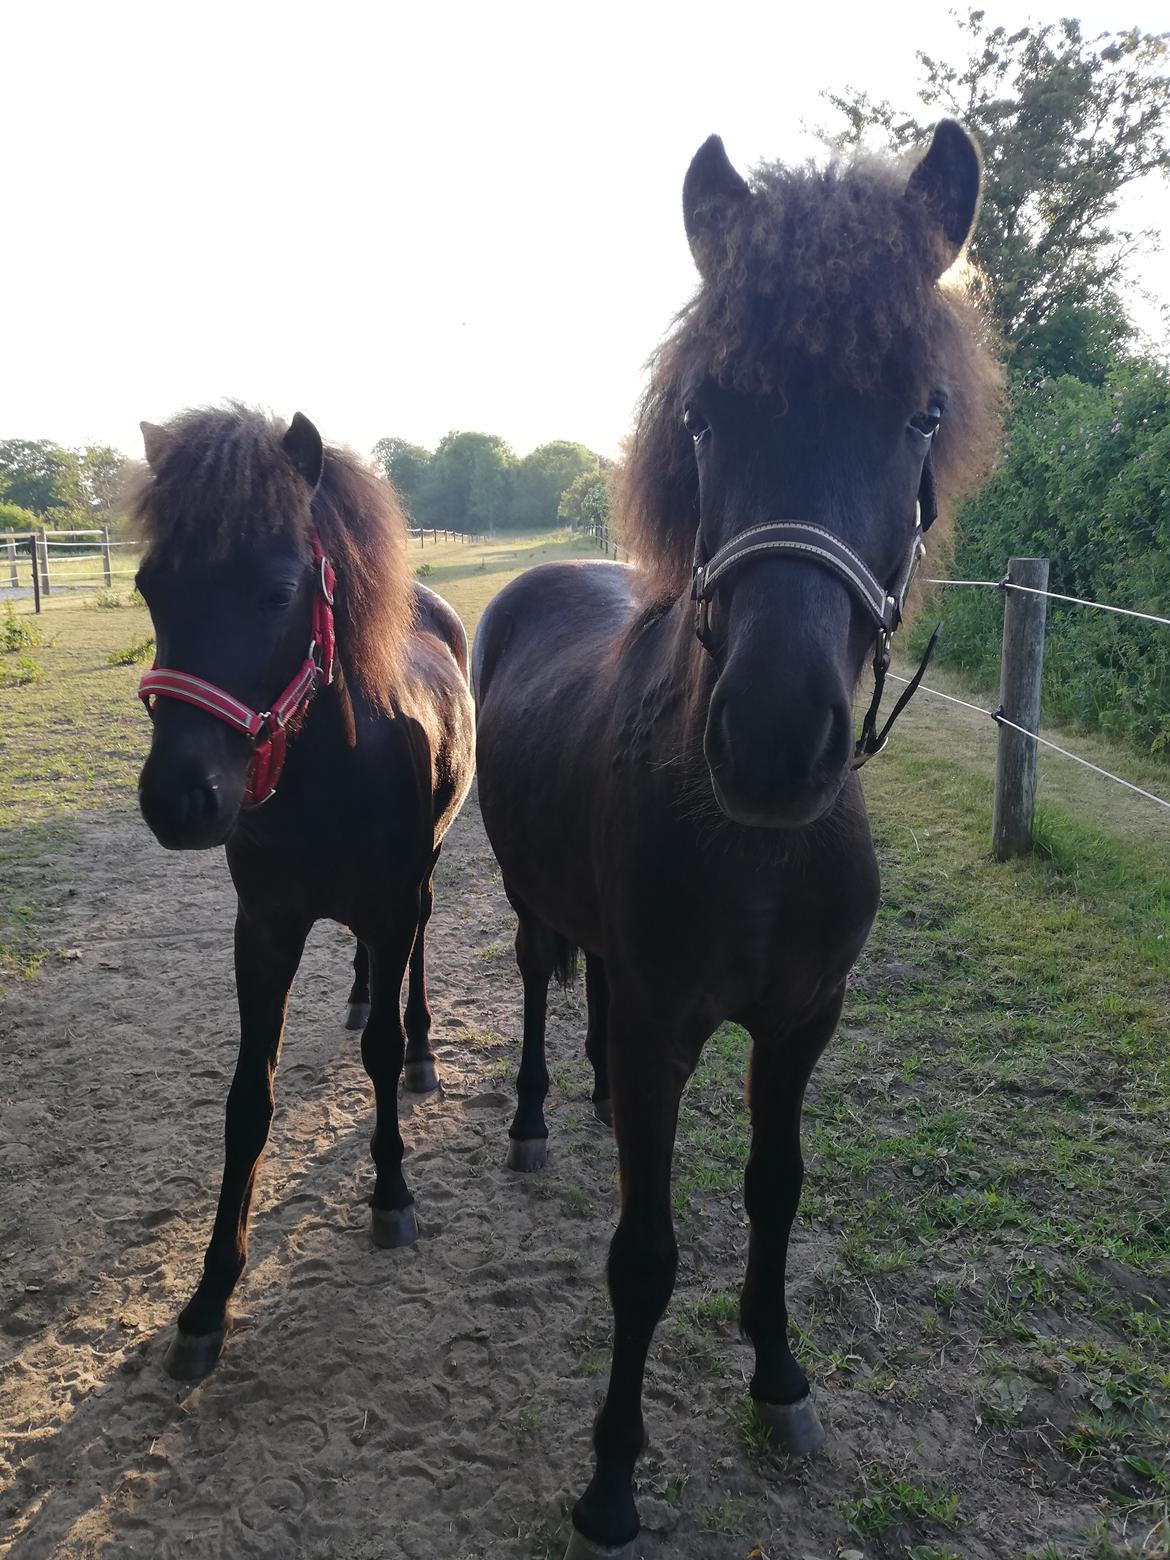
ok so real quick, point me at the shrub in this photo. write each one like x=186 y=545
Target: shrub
x=24 y=671
x=19 y=633
x=133 y=654
x=1084 y=482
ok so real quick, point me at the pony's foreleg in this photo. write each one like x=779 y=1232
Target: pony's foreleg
x=420 y=1075
x=597 y=1036
x=393 y=1219
x=648 y=1078
x=782 y=1062
x=536 y=952
x=358 y=1013
x=267 y=955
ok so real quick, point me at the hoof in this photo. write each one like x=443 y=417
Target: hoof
x=582 y=1548
x=192 y=1356
x=527 y=1153
x=358 y=1016
x=392 y=1227
x=420 y=1077
x=796 y=1427
x=603 y=1110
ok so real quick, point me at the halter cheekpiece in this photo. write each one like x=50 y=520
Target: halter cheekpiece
x=267 y=730
x=799 y=539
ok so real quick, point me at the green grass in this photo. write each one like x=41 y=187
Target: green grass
x=891 y=1501
x=984 y=1145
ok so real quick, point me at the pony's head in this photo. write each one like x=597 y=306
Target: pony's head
x=827 y=372
x=228 y=507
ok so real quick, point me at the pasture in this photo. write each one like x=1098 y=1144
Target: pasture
x=981 y=1264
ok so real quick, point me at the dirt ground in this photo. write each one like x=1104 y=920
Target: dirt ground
x=429 y=1402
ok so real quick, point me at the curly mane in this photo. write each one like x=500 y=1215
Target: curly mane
x=224 y=483
x=825 y=281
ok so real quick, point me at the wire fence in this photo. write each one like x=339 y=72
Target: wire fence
x=1015 y=681
x=1007 y=584
x=601 y=534
x=998 y=716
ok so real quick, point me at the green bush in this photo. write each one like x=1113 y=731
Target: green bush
x=19 y=633
x=25 y=670
x=133 y=654
x=1085 y=482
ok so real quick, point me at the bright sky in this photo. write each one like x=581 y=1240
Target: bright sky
x=397 y=218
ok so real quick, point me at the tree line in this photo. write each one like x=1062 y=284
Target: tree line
x=476 y=482
x=1066 y=125
x=44 y=484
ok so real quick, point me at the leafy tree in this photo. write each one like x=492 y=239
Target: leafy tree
x=39 y=475
x=1066 y=124
x=543 y=476
x=405 y=465
x=585 y=502
x=468 y=483
x=103 y=477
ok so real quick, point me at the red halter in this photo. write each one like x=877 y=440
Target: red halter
x=268 y=730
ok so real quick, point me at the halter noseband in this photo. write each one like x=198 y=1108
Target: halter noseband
x=797 y=538
x=266 y=730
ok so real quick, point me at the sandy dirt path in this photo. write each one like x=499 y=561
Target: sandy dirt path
x=428 y=1402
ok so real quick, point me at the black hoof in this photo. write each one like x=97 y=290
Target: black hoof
x=420 y=1077
x=582 y=1548
x=358 y=1016
x=392 y=1227
x=527 y=1153
x=796 y=1427
x=192 y=1356
x=603 y=1110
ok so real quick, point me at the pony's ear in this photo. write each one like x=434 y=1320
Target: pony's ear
x=948 y=180
x=712 y=191
x=302 y=444
x=156 y=442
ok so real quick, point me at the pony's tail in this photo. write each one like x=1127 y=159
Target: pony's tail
x=565 y=965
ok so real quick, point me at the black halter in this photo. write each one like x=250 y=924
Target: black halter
x=813 y=543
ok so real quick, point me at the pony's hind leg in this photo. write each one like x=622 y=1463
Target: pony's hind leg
x=358 y=1012
x=267 y=955
x=393 y=1220
x=782 y=1062
x=537 y=948
x=597 y=1036
x=419 y=1074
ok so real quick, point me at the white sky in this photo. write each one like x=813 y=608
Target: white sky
x=397 y=218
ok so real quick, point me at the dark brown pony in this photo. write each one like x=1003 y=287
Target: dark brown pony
x=378 y=764
x=673 y=789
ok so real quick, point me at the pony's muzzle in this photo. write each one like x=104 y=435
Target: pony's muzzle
x=189 y=790
x=776 y=768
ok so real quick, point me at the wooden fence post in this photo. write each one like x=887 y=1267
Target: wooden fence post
x=10 y=549
x=43 y=545
x=107 y=570
x=36 y=571
x=1021 y=673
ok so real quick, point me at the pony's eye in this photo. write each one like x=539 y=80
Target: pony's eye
x=278 y=600
x=695 y=423
x=927 y=422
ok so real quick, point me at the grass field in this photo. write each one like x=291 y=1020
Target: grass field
x=987 y=1142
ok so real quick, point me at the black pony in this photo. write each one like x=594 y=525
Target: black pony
x=311 y=712
x=666 y=755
